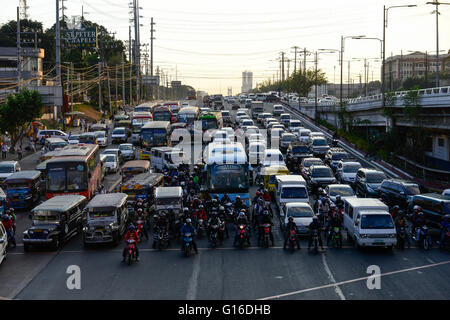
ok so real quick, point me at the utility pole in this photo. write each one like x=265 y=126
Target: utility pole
x=295 y=58
x=115 y=73
x=123 y=81
x=304 y=61
x=137 y=59
x=282 y=66
x=71 y=87
x=109 y=88
x=348 y=91
x=315 y=86
x=19 y=66
x=100 y=102
x=151 y=55
x=131 y=84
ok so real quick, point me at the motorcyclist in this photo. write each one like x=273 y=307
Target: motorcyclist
x=335 y=222
x=415 y=216
x=445 y=227
x=222 y=216
x=265 y=219
x=420 y=222
x=214 y=205
x=10 y=212
x=339 y=202
x=162 y=224
x=324 y=208
x=185 y=215
x=401 y=221
x=258 y=210
x=195 y=203
x=257 y=196
x=315 y=225
x=291 y=226
x=131 y=235
x=189 y=228
x=238 y=204
x=8 y=224
x=140 y=216
x=394 y=211
x=225 y=199
x=242 y=220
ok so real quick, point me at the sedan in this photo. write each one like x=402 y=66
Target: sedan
x=127 y=150
x=344 y=190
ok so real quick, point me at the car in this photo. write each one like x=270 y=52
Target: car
x=286 y=139
x=226 y=116
x=273 y=157
x=333 y=156
x=119 y=135
x=272 y=124
x=239 y=114
x=230 y=133
x=446 y=192
x=368 y=181
x=128 y=151
x=256 y=151
x=301 y=212
x=319 y=146
x=258 y=137
x=398 y=192
x=7 y=168
x=315 y=134
x=303 y=135
x=293 y=124
x=272 y=98
x=52 y=144
x=115 y=151
x=343 y=190
x=248 y=103
x=42 y=134
x=205 y=110
x=285 y=118
x=346 y=171
x=73 y=139
x=307 y=163
x=263 y=116
x=269 y=120
x=220 y=136
x=185 y=104
x=278 y=126
x=247 y=122
x=434 y=206
x=319 y=176
x=111 y=162
x=102 y=139
x=278 y=109
x=296 y=152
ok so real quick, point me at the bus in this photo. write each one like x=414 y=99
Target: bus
x=192 y=95
x=228 y=172
x=174 y=108
x=162 y=113
x=137 y=121
x=210 y=122
x=144 y=107
x=154 y=134
x=75 y=169
x=188 y=115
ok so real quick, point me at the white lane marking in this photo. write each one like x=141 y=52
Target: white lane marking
x=429 y=260
x=193 y=281
x=352 y=280
x=330 y=276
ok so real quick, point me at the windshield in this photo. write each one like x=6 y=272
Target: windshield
x=126 y=147
x=301 y=149
x=375 y=177
x=74 y=175
x=274 y=158
x=294 y=193
x=351 y=168
x=308 y=164
x=142 y=109
x=344 y=192
x=412 y=190
x=376 y=221
x=289 y=138
x=300 y=212
x=228 y=177
x=209 y=124
x=320 y=142
x=168 y=201
x=6 y=169
x=339 y=156
x=188 y=118
x=162 y=116
x=101 y=214
x=322 y=173
x=256 y=149
x=110 y=159
x=17 y=184
x=141 y=192
x=295 y=124
x=100 y=134
x=153 y=137
x=45 y=217
x=118 y=131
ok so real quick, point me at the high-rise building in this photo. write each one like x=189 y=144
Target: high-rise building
x=247 y=81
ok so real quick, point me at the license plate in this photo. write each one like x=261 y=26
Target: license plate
x=379 y=241
x=100 y=229
x=37 y=230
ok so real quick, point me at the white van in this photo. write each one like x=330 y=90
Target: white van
x=159 y=158
x=368 y=223
x=303 y=135
x=290 y=188
x=3 y=242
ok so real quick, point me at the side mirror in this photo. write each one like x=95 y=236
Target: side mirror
x=357 y=222
x=1 y=241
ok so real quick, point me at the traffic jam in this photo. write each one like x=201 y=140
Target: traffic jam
x=232 y=172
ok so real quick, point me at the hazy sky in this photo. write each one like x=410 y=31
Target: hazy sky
x=210 y=43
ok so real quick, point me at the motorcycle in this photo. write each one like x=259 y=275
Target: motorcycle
x=335 y=143
x=401 y=237
x=213 y=235
x=292 y=239
x=266 y=235
x=336 y=239
x=201 y=227
x=221 y=233
x=187 y=238
x=315 y=241
x=242 y=235
x=161 y=238
x=425 y=238
x=130 y=251
x=140 y=226
x=446 y=242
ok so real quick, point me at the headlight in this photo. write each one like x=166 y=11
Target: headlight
x=45 y=231
x=30 y=231
x=393 y=235
x=362 y=235
x=28 y=197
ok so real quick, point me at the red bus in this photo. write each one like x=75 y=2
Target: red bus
x=163 y=113
x=174 y=108
x=75 y=169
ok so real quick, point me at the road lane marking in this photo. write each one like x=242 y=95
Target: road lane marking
x=353 y=280
x=193 y=280
x=330 y=276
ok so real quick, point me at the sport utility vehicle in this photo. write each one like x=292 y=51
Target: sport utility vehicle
x=319 y=176
x=398 y=192
x=368 y=181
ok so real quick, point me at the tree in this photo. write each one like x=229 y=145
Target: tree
x=302 y=83
x=18 y=112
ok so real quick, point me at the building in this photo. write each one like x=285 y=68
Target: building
x=400 y=67
x=247 y=81
x=31 y=66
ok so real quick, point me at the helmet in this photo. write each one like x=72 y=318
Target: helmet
x=396 y=208
x=188 y=220
x=416 y=207
x=182 y=183
x=11 y=210
x=131 y=228
x=447 y=217
x=243 y=210
x=315 y=218
x=258 y=193
x=5 y=217
x=338 y=197
x=320 y=190
x=241 y=215
x=221 y=208
x=238 y=197
x=332 y=205
x=192 y=191
x=265 y=191
x=214 y=200
x=420 y=213
x=155 y=216
x=291 y=219
x=214 y=213
x=185 y=210
x=163 y=214
x=265 y=212
x=200 y=206
x=401 y=213
x=323 y=199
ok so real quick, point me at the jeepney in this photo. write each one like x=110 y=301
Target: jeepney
x=119 y=117
x=23 y=188
x=169 y=198
x=268 y=176
x=2 y=201
x=105 y=219
x=142 y=186
x=134 y=167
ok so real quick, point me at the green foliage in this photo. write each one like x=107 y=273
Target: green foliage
x=412 y=107
x=18 y=112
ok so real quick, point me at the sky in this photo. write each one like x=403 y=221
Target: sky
x=208 y=44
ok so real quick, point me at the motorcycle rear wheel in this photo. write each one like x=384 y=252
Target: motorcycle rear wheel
x=129 y=259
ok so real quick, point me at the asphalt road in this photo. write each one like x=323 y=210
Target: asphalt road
x=225 y=272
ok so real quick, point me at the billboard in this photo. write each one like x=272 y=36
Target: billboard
x=175 y=84
x=150 y=80
x=81 y=38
